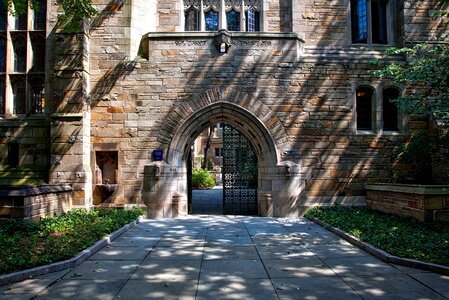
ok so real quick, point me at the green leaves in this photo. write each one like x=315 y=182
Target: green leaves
x=400 y=236
x=73 y=11
x=201 y=178
x=25 y=245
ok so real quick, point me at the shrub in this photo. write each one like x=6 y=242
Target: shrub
x=25 y=245
x=202 y=179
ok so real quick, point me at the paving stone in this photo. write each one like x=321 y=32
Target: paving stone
x=390 y=286
x=184 y=253
x=229 y=240
x=235 y=288
x=328 y=287
x=229 y=252
x=276 y=240
x=121 y=253
x=233 y=268
x=159 y=289
x=181 y=242
x=107 y=270
x=262 y=230
x=284 y=252
x=361 y=265
x=139 y=241
x=437 y=282
x=29 y=286
x=336 y=250
x=304 y=267
x=168 y=270
x=83 y=289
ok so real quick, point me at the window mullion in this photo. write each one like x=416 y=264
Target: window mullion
x=201 y=17
x=222 y=24
x=242 y=17
x=370 y=22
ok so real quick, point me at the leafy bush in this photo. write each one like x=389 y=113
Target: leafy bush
x=400 y=236
x=202 y=179
x=25 y=245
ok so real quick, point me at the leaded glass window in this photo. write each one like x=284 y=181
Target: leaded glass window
x=19 y=94
x=19 y=45
x=40 y=16
x=2 y=95
x=2 y=54
x=379 y=21
x=211 y=18
x=191 y=19
x=38 y=94
x=359 y=21
x=252 y=20
x=369 y=21
x=233 y=20
x=3 y=14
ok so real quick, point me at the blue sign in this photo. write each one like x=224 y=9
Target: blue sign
x=158 y=154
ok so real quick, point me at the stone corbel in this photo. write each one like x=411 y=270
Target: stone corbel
x=222 y=41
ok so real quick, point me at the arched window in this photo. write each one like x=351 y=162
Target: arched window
x=364 y=106
x=191 y=19
x=211 y=18
x=369 y=21
x=390 y=109
x=233 y=20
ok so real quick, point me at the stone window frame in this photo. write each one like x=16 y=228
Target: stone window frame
x=223 y=7
x=377 y=127
x=391 y=25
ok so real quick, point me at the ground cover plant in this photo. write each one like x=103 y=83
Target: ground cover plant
x=25 y=245
x=401 y=236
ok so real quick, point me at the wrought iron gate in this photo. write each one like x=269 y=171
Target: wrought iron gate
x=239 y=174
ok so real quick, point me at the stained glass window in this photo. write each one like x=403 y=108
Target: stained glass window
x=233 y=20
x=211 y=18
x=359 y=21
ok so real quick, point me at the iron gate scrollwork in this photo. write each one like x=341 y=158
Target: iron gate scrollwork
x=239 y=174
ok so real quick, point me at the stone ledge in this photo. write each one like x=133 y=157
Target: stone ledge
x=204 y=34
x=26 y=191
x=409 y=188
x=69 y=263
x=382 y=255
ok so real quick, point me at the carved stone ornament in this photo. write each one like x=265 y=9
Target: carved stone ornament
x=223 y=39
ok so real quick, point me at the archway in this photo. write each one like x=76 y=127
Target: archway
x=165 y=190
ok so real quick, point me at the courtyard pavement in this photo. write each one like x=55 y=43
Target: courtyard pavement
x=231 y=257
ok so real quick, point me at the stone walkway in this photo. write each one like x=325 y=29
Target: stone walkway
x=208 y=201
x=226 y=257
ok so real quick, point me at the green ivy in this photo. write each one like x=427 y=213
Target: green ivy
x=401 y=236
x=25 y=245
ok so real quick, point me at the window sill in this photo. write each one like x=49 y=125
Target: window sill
x=380 y=132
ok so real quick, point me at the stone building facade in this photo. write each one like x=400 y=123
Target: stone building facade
x=292 y=76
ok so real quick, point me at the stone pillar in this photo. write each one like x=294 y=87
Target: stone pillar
x=164 y=190
x=70 y=125
x=281 y=190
